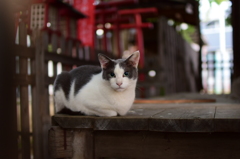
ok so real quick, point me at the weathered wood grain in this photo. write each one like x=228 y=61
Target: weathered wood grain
x=41 y=120
x=163 y=118
x=171 y=131
x=83 y=144
x=176 y=101
x=119 y=123
x=66 y=121
x=60 y=142
x=137 y=119
x=168 y=120
x=200 y=119
x=148 y=145
x=227 y=118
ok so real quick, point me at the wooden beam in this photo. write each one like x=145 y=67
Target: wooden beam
x=24 y=79
x=148 y=145
x=236 y=38
x=65 y=59
x=138 y=11
x=23 y=51
x=176 y=101
x=115 y=3
x=128 y=26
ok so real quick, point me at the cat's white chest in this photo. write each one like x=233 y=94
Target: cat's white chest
x=98 y=96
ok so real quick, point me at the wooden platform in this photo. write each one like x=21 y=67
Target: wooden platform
x=171 y=131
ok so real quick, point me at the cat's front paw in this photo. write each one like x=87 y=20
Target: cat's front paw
x=109 y=113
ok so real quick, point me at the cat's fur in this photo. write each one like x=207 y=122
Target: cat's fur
x=108 y=90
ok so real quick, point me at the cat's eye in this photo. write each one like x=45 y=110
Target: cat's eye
x=112 y=74
x=126 y=74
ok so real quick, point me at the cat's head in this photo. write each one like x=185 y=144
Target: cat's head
x=121 y=73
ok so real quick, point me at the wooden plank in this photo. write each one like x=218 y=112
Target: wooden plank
x=180 y=117
x=228 y=111
x=148 y=145
x=23 y=51
x=163 y=118
x=24 y=94
x=60 y=142
x=183 y=118
x=39 y=102
x=66 y=143
x=67 y=60
x=169 y=120
x=176 y=101
x=46 y=119
x=118 y=123
x=200 y=119
x=136 y=119
x=227 y=118
x=68 y=121
x=24 y=79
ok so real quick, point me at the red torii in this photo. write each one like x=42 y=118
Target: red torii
x=138 y=25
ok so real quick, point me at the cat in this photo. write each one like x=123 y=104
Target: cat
x=108 y=90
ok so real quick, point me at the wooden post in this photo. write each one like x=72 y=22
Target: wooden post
x=60 y=143
x=74 y=144
x=199 y=78
x=40 y=118
x=24 y=94
x=236 y=38
x=8 y=122
x=83 y=144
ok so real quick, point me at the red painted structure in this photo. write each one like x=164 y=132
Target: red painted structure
x=108 y=12
x=138 y=25
x=86 y=29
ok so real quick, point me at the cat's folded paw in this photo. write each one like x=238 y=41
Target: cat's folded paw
x=109 y=113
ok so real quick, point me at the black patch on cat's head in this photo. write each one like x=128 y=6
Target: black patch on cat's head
x=109 y=69
x=128 y=67
x=108 y=65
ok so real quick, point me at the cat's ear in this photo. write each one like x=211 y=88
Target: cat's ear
x=104 y=60
x=134 y=59
x=126 y=54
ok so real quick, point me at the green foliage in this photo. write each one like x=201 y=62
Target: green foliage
x=216 y=1
x=187 y=34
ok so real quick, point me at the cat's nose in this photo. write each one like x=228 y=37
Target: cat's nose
x=119 y=84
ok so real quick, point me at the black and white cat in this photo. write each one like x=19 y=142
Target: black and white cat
x=108 y=90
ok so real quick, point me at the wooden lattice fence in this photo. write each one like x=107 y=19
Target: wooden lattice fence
x=39 y=57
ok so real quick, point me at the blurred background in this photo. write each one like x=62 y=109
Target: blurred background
x=185 y=45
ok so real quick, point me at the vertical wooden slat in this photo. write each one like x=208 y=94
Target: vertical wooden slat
x=46 y=114
x=39 y=99
x=24 y=97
